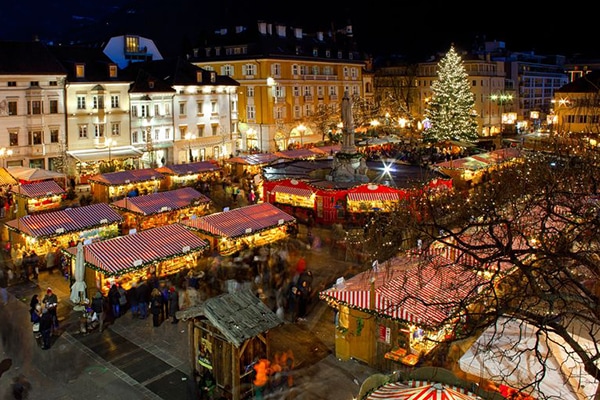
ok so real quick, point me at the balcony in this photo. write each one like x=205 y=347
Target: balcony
x=319 y=77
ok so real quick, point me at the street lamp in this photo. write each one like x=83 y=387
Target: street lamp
x=301 y=129
x=110 y=143
x=501 y=99
x=4 y=153
x=189 y=136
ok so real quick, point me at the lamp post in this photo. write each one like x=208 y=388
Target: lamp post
x=501 y=99
x=189 y=137
x=4 y=153
x=301 y=129
x=109 y=144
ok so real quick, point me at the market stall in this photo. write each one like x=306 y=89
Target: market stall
x=246 y=227
x=165 y=251
x=229 y=332
x=162 y=208
x=372 y=197
x=396 y=313
x=250 y=164
x=180 y=175
x=117 y=185
x=32 y=198
x=6 y=179
x=30 y=175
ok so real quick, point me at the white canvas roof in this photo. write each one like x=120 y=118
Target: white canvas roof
x=505 y=354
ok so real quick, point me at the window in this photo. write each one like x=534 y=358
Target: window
x=79 y=70
x=227 y=70
x=35 y=137
x=250 y=91
x=200 y=129
x=199 y=108
x=13 y=136
x=249 y=69
x=115 y=129
x=280 y=113
x=181 y=108
x=214 y=107
x=167 y=133
x=315 y=51
x=83 y=134
x=12 y=84
x=320 y=91
x=156 y=110
x=132 y=44
x=144 y=110
x=296 y=91
x=134 y=137
x=279 y=91
x=251 y=111
x=53 y=135
x=34 y=83
x=53 y=106
x=213 y=77
x=345 y=72
x=304 y=70
x=315 y=70
x=98 y=102
x=295 y=69
x=12 y=107
x=34 y=107
x=81 y=102
x=114 y=101
x=52 y=83
x=276 y=70
x=99 y=130
x=157 y=134
x=112 y=70
x=297 y=112
x=134 y=112
x=214 y=129
x=308 y=110
x=354 y=73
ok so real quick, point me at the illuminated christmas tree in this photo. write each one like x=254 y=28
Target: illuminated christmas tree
x=451 y=111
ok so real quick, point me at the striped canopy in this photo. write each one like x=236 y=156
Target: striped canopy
x=38 y=189
x=421 y=390
x=162 y=201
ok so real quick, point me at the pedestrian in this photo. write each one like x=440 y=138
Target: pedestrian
x=114 y=299
x=132 y=295
x=164 y=291
x=50 y=302
x=143 y=296
x=261 y=377
x=122 y=300
x=36 y=317
x=173 y=304
x=3 y=286
x=35 y=300
x=156 y=306
x=46 y=322
x=20 y=387
x=98 y=303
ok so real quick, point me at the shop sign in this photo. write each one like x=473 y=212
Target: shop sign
x=185 y=249
x=165 y=208
x=137 y=263
x=280 y=222
x=59 y=230
x=248 y=230
x=104 y=221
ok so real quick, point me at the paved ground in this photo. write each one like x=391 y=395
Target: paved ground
x=134 y=360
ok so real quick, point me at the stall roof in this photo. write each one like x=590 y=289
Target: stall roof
x=38 y=189
x=253 y=159
x=162 y=201
x=34 y=174
x=480 y=161
x=121 y=152
x=240 y=316
x=188 y=169
x=6 y=179
x=296 y=191
x=241 y=221
x=298 y=154
x=53 y=223
x=125 y=177
x=408 y=290
x=374 y=192
x=124 y=254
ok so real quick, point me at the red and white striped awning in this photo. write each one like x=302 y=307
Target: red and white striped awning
x=38 y=189
x=162 y=201
x=293 y=191
x=421 y=390
x=408 y=290
x=123 y=254
x=241 y=221
x=373 y=196
x=69 y=220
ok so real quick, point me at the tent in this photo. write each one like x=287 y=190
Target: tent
x=505 y=354
x=25 y=174
x=419 y=390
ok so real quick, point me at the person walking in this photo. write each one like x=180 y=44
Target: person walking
x=98 y=307
x=114 y=299
x=132 y=295
x=50 y=302
x=143 y=296
x=173 y=304
x=156 y=306
x=122 y=300
x=46 y=323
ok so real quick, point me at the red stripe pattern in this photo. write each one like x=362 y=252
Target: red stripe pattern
x=374 y=196
x=129 y=176
x=125 y=253
x=293 y=191
x=38 y=189
x=188 y=169
x=236 y=222
x=421 y=390
x=71 y=220
x=162 y=201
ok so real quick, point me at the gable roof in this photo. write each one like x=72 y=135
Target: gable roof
x=22 y=58
x=240 y=316
x=162 y=201
x=95 y=61
x=588 y=83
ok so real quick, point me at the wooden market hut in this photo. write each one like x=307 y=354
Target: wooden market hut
x=165 y=251
x=117 y=185
x=246 y=227
x=181 y=175
x=390 y=316
x=162 y=208
x=251 y=164
x=56 y=229
x=291 y=195
x=37 y=197
x=230 y=332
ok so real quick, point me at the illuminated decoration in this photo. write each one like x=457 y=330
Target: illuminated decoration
x=450 y=109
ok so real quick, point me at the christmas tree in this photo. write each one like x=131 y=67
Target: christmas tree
x=451 y=111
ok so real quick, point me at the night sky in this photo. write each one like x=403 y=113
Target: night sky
x=380 y=27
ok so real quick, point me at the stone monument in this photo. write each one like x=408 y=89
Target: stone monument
x=348 y=164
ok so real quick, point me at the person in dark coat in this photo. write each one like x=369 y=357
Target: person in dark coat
x=143 y=296
x=114 y=298
x=156 y=306
x=173 y=304
x=46 y=323
x=132 y=295
x=98 y=307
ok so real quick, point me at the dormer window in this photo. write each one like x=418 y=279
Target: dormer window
x=213 y=77
x=112 y=70
x=199 y=76
x=151 y=84
x=79 y=70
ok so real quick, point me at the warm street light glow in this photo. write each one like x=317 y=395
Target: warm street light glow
x=4 y=153
x=301 y=129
